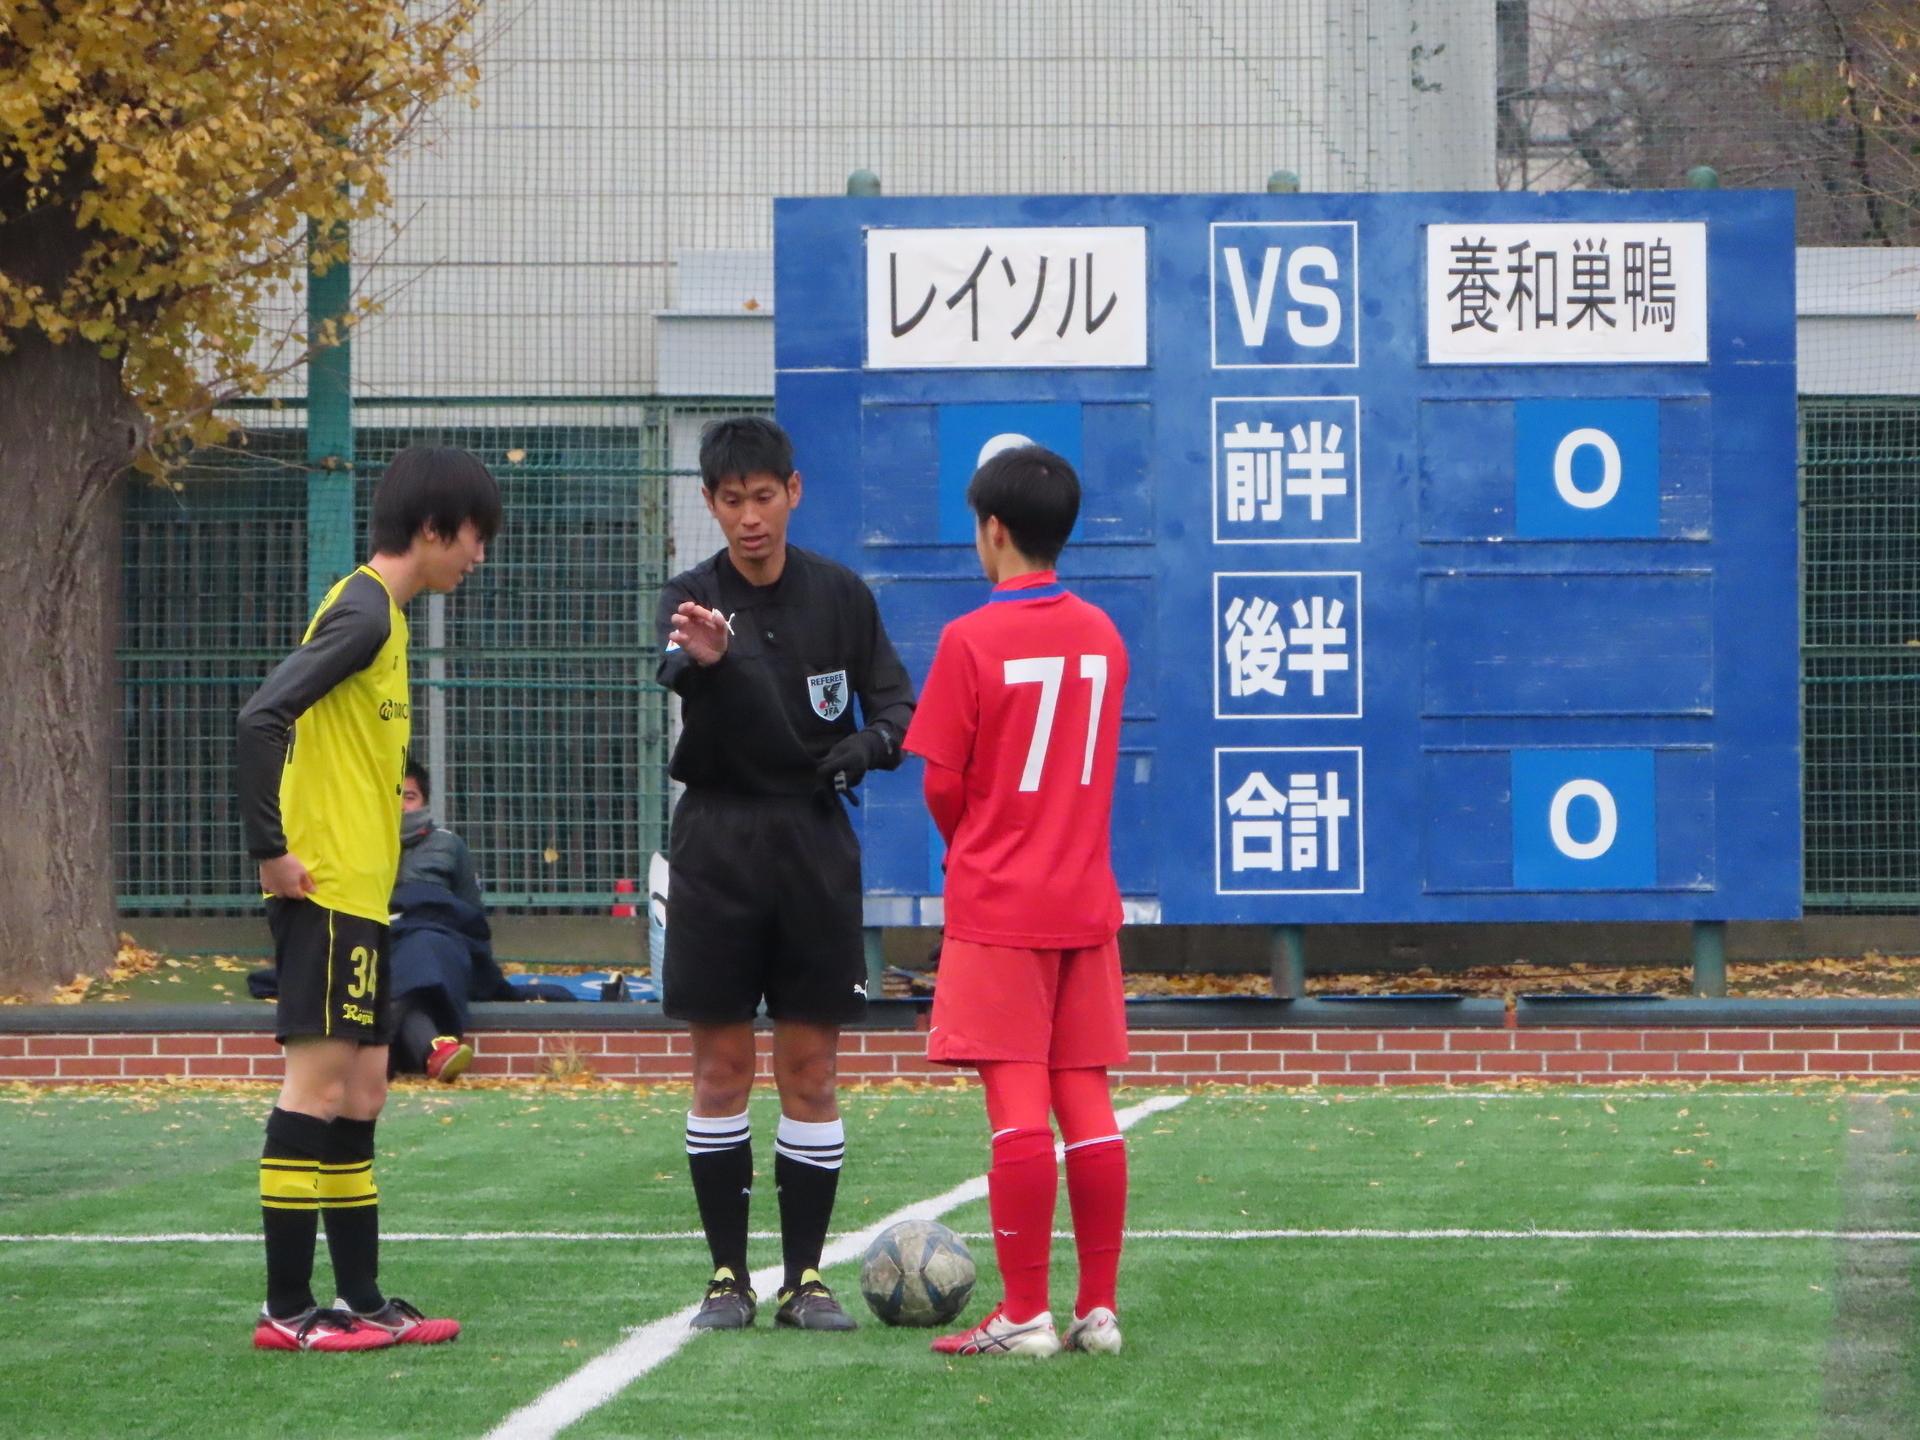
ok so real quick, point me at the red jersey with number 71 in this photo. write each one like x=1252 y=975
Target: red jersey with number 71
x=1023 y=701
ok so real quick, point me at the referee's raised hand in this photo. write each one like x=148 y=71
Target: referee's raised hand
x=702 y=633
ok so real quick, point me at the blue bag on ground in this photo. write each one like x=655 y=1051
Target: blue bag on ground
x=600 y=985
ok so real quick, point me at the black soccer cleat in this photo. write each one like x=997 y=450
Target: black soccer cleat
x=729 y=1304
x=810 y=1306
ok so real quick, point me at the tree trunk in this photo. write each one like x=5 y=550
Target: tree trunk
x=67 y=433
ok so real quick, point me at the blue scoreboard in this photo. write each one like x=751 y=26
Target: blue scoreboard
x=1453 y=537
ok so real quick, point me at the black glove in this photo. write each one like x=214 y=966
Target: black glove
x=847 y=763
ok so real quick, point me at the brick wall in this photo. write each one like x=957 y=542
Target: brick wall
x=1346 y=1057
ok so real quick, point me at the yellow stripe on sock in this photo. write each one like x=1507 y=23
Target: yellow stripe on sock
x=290 y=1184
x=342 y=1186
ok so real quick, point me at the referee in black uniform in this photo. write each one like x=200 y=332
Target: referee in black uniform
x=768 y=647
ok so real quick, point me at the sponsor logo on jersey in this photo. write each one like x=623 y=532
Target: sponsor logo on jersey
x=828 y=694
x=395 y=710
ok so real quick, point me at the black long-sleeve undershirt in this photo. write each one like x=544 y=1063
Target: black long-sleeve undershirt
x=750 y=724
x=344 y=642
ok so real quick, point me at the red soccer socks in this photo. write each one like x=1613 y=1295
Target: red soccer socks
x=1023 y=1182
x=1097 y=1193
x=1021 y=1188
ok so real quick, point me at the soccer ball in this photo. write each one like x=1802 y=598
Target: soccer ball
x=917 y=1273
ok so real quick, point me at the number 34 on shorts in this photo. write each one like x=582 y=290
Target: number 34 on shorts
x=363 y=966
x=333 y=972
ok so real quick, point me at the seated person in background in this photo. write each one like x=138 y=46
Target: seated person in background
x=441 y=945
x=430 y=855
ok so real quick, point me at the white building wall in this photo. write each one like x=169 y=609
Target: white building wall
x=1859 y=313
x=539 y=231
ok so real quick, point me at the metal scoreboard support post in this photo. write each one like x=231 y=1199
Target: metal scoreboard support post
x=1454 y=537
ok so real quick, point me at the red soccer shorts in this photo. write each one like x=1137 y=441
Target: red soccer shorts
x=1060 y=1008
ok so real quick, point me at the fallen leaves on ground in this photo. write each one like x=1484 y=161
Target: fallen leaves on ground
x=132 y=959
x=1868 y=976
x=73 y=992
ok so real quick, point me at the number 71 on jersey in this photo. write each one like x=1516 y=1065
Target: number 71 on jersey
x=1047 y=671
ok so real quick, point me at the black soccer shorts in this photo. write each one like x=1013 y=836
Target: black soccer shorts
x=763 y=901
x=333 y=973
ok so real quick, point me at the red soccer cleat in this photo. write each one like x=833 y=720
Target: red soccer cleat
x=318 y=1330
x=449 y=1060
x=404 y=1324
x=997 y=1335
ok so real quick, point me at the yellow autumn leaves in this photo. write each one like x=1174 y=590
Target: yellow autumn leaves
x=160 y=161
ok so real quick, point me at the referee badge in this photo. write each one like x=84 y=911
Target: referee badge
x=828 y=693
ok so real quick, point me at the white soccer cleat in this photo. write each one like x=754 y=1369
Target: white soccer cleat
x=997 y=1335
x=1097 y=1333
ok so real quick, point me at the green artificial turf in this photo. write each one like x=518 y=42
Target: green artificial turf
x=1477 y=1339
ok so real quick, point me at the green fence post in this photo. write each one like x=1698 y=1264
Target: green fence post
x=1710 y=958
x=441 y=776
x=876 y=959
x=330 y=538
x=1289 y=955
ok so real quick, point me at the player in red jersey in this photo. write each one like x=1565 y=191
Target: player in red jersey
x=1019 y=724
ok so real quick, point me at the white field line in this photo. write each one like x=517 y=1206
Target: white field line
x=222 y=1237
x=568 y=1236
x=1531 y=1234
x=647 y=1346
x=1315 y=1095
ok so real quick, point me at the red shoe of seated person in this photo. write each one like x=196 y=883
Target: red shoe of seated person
x=449 y=1060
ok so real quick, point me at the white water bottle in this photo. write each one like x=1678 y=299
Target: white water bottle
x=657 y=915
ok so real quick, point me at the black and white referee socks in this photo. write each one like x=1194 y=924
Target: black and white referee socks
x=806 y=1172
x=720 y=1157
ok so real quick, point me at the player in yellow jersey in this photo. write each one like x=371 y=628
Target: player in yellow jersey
x=321 y=755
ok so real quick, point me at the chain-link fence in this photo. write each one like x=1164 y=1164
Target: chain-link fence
x=1860 y=538
x=215 y=593
x=1812 y=96
x=544 y=735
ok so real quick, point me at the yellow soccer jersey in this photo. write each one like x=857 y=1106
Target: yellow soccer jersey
x=323 y=749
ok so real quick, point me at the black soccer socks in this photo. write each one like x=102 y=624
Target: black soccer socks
x=720 y=1157
x=806 y=1173
x=290 y=1207
x=350 y=1203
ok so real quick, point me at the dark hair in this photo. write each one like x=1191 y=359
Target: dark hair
x=432 y=487
x=1034 y=493
x=744 y=445
x=417 y=773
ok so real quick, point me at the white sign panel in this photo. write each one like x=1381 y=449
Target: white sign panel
x=1580 y=294
x=1068 y=297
